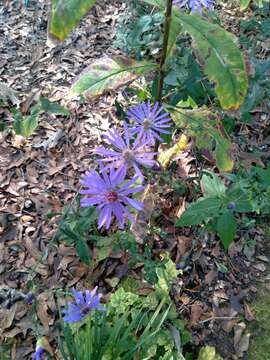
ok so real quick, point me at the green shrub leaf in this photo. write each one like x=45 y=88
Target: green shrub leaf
x=65 y=15
x=226 y=228
x=200 y=211
x=206 y=126
x=223 y=61
x=212 y=186
x=107 y=74
x=223 y=154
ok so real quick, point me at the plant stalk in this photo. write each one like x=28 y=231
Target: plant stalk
x=167 y=25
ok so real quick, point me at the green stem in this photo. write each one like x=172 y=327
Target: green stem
x=167 y=25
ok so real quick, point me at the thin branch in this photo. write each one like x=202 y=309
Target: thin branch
x=218 y=318
x=167 y=25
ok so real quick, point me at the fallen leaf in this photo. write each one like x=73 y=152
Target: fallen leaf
x=196 y=311
x=263 y=258
x=7 y=317
x=249 y=316
x=260 y=267
x=210 y=276
x=44 y=317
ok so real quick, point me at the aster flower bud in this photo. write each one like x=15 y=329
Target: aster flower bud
x=231 y=206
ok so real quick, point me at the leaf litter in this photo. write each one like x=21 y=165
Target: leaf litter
x=41 y=176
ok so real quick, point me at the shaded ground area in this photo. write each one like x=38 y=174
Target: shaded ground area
x=260 y=328
x=40 y=178
x=40 y=175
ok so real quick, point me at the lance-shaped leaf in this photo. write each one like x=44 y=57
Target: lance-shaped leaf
x=206 y=126
x=106 y=74
x=65 y=15
x=26 y=126
x=222 y=60
x=244 y=4
x=223 y=153
x=175 y=29
x=226 y=228
x=202 y=210
x=157 y=3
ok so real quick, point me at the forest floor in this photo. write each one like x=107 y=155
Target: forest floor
x=40 y=177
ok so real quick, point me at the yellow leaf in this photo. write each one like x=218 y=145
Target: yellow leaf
x=166 y=156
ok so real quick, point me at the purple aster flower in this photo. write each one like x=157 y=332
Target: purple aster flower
x=195 y=5
x=110 y=195
x=84 y=304
x=149 y=122
x=39 y=353
x=127 y=153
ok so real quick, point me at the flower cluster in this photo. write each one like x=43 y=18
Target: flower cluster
x=195 y=5
x=110 y=191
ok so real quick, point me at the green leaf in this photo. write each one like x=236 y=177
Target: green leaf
x=244 y=4
x=223 y=154
x=206 y=126
x=53 y=108
x=166 y=276
x=25 y=126
x=226 y=228
x=202 y=210
x=65 y=15
x=223 y=61
x=241 y=197
x=208 y=353
x=157 y=3
x=80 y=243
x=82 y=250
x=212 y=186
x=107 y=74
x=175 y=29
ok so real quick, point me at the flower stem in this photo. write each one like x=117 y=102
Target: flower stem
x=167 y=26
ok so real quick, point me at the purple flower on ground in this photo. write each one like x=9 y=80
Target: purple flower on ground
x=149 y=122
x=110 y=196
x=29 y=298
x=126 y=154
x=195 y=5
x=84 y=305
x=39 y=353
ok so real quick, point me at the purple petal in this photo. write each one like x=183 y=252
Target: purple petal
x=134 y=203
x=78 y=295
